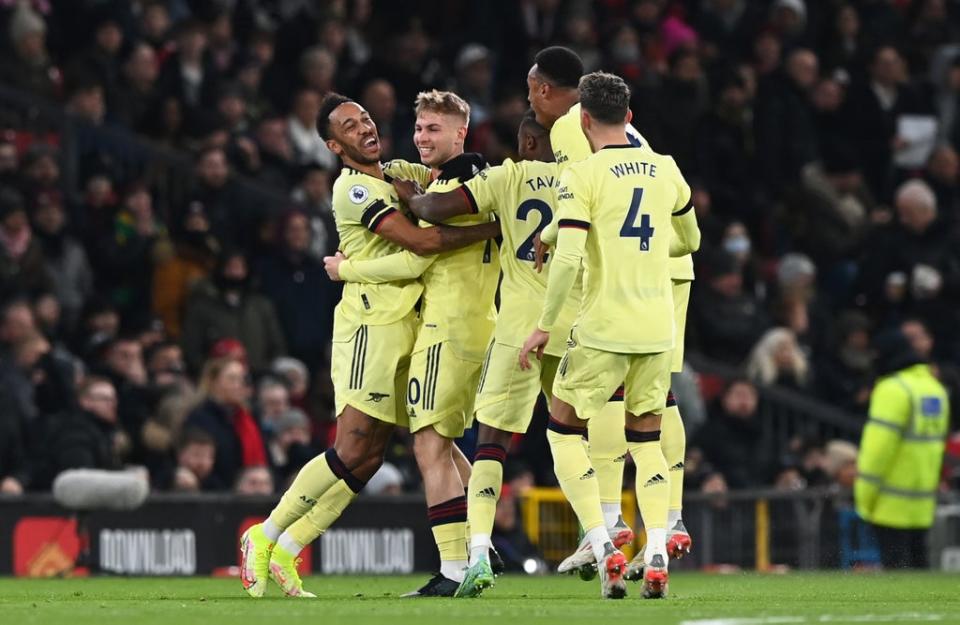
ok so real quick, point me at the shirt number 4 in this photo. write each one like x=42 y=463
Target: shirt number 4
x=644 y=231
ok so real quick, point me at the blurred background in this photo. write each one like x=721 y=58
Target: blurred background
x=165 y=207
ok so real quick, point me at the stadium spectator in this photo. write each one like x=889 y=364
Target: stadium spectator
x=730 y=439
x=223 y=415
x=22 y=267
x=296 y=283
x=179 y=265
x=785 y=124
x=845 y=370
x=911 y=266
x=277 y=165
x=88 y=438
x=308 y=147
x=289 y=444
x=136 y=95
x=126 y=253
x=777 y=359
x=725 y=320
x=195 y=457
x=272 y=400
x=64 y=256
x=30 y=67
x=254 y=481
x=313 y=195
x=233 y=220
x=226 y=306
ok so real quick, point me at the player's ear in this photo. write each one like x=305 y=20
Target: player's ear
x=629 y=116
x=334 y=146
x=462 y=133
x=584 y=119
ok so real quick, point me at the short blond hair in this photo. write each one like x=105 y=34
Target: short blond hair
x=443 y=102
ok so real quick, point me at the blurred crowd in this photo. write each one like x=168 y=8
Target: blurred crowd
x=192 y=336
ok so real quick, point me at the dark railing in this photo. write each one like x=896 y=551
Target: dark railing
x=784 y=414
x=169 y=172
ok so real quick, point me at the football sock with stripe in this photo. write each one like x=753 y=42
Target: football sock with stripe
x=673 y=442
x=608 y=450
x=653 y=487
x=577 y=478
x=328 y=509
x=313 y=480
x=483 y=493
x=448 y=521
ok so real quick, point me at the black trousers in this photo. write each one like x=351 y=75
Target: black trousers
x=902 y=549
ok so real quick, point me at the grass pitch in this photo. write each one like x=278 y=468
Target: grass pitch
x=695 y=599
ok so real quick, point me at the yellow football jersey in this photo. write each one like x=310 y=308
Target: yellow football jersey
x=360 y=204
x=617 y=207
x=459 y=289
x=523 y=195
x=570 y=145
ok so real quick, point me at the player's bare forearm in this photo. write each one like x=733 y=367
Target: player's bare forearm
x=438 y=207
x=455 y=237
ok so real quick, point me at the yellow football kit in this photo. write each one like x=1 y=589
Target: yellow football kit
x=374 y=325
x=523 y=195
x=457 y=317
x=611 y=208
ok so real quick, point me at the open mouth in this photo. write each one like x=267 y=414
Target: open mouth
x=370 y=142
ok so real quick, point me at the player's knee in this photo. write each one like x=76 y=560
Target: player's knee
x=488 y=435
x=429 y=447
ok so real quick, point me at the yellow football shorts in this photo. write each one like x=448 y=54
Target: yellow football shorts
x=587 y=378
x=441 y=390
x=370 y=366
x=507 y=394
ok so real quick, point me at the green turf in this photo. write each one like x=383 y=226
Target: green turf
x=695 y=599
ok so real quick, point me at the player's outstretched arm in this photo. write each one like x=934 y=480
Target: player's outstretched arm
x=433 y=207
x=391 y=268
x=436 y=239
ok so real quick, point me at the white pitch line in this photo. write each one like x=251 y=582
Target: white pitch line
x=908 y=617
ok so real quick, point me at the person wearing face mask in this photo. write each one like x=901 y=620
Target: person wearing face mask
x=226 y=306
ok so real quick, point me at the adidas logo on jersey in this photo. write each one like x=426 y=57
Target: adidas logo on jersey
x=588 y=474
x=656 y=479
x=488 y=492
x=622 y=458
x=677 y=467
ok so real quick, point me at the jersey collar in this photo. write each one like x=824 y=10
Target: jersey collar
x=618 y=146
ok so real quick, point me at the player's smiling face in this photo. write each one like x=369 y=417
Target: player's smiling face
x=355 y=134
x=438 y=137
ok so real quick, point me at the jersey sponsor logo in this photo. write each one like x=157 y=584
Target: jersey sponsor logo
x=310 y=501
x=358 y=194
x=564 y=193
x=377 y=397
x=656 y=479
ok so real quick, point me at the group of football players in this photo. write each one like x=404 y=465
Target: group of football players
x=591 y=231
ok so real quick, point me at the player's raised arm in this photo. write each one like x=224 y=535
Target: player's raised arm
x=433 y=240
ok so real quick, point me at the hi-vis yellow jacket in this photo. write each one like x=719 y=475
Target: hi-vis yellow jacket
x=902 y=450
